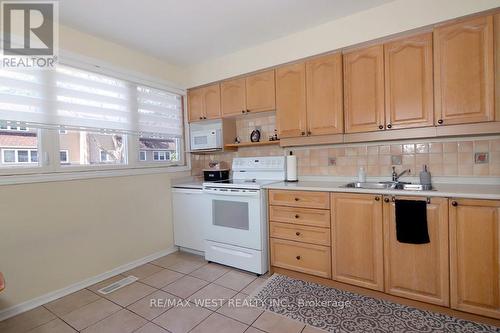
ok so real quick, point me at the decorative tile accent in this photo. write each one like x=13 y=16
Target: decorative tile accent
x=481 y=158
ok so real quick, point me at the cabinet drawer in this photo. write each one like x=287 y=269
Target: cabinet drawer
x=301 y=257
x=299 y=199
x=299 y=233
x=304 y=216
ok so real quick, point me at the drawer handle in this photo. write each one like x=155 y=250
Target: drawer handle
x=297 y=257
x=297 y=199
x=297 y=216
x=297 y=233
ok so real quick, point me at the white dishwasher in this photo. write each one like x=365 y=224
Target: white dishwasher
x=191 y=209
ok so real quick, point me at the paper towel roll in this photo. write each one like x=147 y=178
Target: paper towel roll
x=291 y=168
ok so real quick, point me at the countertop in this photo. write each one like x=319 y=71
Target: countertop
x=471 y=191
x=195 y=184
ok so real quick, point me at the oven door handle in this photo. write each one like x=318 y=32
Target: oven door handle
x=232 y=193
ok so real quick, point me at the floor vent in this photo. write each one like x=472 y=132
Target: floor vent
x=118 y=284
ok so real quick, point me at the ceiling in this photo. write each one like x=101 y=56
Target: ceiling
x=186 y=32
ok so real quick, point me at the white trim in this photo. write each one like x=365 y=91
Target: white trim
x=67 y=155
x=76 y=175
x=49 y=297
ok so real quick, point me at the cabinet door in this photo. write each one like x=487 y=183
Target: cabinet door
x=233 y=97
x=261 y=92
x=364 y=90
x=475 y=256
x=195 y=104
x=324 y=95
x=418 y=271
x=464 y=72
x=357 y=243
x=291 y=100
x=211 y=101
x=409 y=95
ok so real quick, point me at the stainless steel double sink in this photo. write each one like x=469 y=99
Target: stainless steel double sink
x=389 y=186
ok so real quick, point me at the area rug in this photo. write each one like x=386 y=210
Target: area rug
x=336 y=310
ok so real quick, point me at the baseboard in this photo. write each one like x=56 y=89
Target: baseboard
x=49 y=297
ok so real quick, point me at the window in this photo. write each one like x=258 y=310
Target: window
x=93 y=115
x=18 y=146
x=19 y=156
x=64 y=156
x=93 y=148
x=161 y=155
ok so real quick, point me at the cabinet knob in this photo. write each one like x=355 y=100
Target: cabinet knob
x=386 y=200
x=381 y=126
x=454 y=203
x=242 y=111
x=377 y=198
x=309 y=133
x=389 y=126
x=248 y=111
x=297 y=257
x=297 y=233
x=296 y=216
x=297 y=199
x=440 y=121
x=303 y=133
x=201 y=117
x=204 y=117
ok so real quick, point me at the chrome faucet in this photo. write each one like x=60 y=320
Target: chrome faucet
x=396 y=176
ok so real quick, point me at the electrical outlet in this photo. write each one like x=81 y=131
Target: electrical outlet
x=332 y=161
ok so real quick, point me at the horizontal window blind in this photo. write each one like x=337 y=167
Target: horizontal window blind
x=90 y=100
x=73 y=98
x=22 y=96
x=159 y=112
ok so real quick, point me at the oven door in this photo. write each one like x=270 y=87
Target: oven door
x=236 y=218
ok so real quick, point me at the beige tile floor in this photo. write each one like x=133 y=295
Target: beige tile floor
x=179 y=276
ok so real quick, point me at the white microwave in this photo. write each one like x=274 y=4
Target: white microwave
x=206 y=137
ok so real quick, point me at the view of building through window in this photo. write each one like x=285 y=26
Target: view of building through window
x=88 y=148
x=18 y=146
x=155 y=150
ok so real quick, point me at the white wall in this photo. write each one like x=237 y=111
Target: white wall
x=393 y=17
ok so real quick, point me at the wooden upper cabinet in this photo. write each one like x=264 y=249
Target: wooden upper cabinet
x=324 y=95
x=364 y=89
x=463 y=62
x=195 y=104
x=357 y=240
x=418 y=271
x=260 y=92
x=475 y=256
x=233 y=97
x=496 y=29
x=211 y=98
x=409 y=95
x=291 y=100
x=204 y=103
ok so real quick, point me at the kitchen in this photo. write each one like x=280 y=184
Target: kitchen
x=254 y=166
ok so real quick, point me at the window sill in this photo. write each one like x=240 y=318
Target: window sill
x=87 y=174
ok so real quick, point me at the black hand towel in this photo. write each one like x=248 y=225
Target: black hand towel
x=411 y=222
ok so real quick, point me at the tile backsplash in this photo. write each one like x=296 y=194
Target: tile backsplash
x=465 y=156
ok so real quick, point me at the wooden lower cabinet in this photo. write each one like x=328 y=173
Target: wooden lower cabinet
x=357 y=249
x=418 y=271
x=475 y=256
x=302 y=257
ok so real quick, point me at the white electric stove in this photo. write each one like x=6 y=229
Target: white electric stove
x=237 y=234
